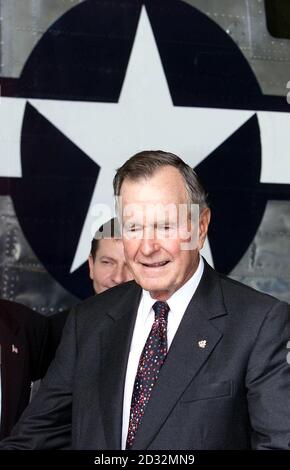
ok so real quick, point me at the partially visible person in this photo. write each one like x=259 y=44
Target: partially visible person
x=25 y=356
x=107 y=268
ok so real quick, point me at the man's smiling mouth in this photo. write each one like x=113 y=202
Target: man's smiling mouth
x=155 y=265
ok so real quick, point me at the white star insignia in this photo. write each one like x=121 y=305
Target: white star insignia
x=109 y=133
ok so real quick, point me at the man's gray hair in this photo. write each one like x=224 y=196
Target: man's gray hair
x=145 y=164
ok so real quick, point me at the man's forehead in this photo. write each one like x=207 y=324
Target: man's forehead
x=157 y=210
x=152 y=200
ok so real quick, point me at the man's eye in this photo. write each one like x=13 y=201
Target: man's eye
x=134 y=228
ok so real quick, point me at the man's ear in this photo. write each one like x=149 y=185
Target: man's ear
x=91 y=267
x=204 y=220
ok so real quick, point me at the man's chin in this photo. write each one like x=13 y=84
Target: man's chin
x=152 y=285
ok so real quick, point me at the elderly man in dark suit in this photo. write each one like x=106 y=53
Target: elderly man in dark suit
x=24 y=359
x=180 y=358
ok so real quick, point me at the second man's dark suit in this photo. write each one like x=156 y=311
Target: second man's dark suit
x=224 y=385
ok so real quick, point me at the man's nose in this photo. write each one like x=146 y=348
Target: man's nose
x=149 y=245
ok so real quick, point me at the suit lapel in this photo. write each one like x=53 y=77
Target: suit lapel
x=193 y=343
x=116 y=341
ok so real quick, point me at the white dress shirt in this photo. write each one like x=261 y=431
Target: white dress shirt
x=178 y=303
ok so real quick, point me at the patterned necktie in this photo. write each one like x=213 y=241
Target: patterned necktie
x=150 y=363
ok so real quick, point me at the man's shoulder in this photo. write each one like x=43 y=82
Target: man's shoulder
x=242 y=306
x=108 y=300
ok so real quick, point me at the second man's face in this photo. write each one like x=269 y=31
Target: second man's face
x=109 y=267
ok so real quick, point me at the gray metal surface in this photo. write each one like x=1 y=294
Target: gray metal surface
x=266 y=265
x=22 y=276
x=23 y=23
x=245 y=22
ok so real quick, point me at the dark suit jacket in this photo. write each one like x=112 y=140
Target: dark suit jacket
x=57 y=322
x=24 y=358
x=234 y=393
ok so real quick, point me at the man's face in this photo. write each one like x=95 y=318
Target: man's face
x=154 y=243
x=109 y=267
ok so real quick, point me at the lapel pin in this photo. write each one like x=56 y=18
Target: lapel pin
x=202 y=343
x=14 y=349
